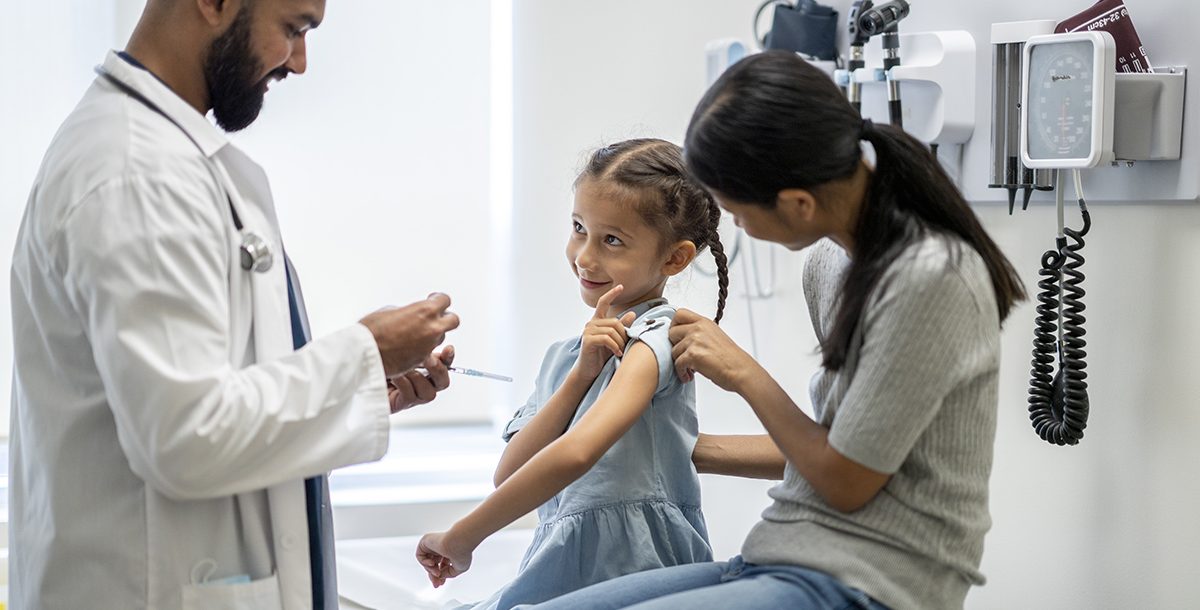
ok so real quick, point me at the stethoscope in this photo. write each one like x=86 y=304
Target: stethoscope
x=255 y=252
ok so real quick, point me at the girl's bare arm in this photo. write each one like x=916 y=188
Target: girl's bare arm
x=572 y=454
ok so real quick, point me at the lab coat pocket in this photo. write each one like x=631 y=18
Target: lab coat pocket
x=260 y=594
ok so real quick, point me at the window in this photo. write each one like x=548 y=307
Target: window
x=380 y=160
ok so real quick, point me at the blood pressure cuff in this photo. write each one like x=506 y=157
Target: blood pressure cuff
x=807 y=27
x=1111 y=16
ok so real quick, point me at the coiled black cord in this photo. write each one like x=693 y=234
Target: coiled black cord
x=1058 y=405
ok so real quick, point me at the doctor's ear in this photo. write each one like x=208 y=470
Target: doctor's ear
x=681 y=254
x=218 y=12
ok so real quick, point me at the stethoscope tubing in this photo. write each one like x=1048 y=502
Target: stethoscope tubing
x=254 y=252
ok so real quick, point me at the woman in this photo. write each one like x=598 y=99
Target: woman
x=884 y=497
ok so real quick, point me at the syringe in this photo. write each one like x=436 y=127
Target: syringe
x=471 y=372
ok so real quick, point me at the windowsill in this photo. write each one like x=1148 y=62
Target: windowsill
x=431 y=474
x=430 y=477
x=422 y=465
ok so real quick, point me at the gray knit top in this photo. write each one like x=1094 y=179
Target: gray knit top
x=916 y=399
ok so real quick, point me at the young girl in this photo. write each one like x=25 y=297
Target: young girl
x=603 y=446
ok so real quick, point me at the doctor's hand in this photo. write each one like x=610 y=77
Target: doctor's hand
x=603 y=337
x=407 y=335
x=415 y=387
x=700 y=346
x=442 y=558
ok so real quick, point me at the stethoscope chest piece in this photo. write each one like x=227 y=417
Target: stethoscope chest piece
x=255 y=253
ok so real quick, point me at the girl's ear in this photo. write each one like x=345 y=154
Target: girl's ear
x=682 y=253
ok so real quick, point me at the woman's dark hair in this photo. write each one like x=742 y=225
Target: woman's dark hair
x=667 y=197
x=774 y=122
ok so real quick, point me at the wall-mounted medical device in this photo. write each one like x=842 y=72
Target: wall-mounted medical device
x=937 y=109
x=805 y=27
x=1147 y=108
x=868 y=20
x=1077 y=110
x=1148 y=114
x=1067 y=100
x=1081 y=112
x=1008 y=53
x=1067 y=97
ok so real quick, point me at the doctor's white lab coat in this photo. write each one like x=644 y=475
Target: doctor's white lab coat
x=162 y=424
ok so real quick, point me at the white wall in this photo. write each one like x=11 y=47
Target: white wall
x=1107 y=524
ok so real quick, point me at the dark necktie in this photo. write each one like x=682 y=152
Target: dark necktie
x=316 y=489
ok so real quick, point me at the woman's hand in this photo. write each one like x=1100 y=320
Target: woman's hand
x=443 y=557
x=603 y=337
x=700 y=346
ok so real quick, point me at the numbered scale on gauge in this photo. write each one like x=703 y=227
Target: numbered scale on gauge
x=1068 y=100
x=1064 y=100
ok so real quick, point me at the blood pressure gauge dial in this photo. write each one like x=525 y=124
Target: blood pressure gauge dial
x=1067 y=100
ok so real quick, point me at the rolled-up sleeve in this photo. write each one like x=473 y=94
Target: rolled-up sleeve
x=653 y=329
x=521 y=417
x=557 y=362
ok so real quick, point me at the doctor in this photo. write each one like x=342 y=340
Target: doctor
x=169 y=432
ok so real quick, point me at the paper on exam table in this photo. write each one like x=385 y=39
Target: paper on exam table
x=383 y=574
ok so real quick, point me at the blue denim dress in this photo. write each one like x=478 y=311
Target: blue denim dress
x=638 y=508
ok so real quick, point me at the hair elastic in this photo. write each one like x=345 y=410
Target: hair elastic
x=867 y=127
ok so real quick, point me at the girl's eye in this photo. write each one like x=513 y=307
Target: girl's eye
x=575 y=226
x=613 y=240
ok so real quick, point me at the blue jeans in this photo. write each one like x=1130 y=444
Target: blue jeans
x=727 y=584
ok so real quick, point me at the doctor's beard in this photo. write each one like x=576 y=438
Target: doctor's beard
x=230 y=71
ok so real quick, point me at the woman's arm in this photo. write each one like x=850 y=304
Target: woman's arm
x=548 y=472
x=753 y=456
x=702 y=347
x=843 y=483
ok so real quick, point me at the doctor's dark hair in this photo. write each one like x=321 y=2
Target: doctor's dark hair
x=774 y=122
x=667 y=197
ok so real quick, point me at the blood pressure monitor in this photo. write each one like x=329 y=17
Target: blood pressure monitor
x=1067 y=100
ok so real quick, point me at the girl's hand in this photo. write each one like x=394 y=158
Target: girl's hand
x=442 y=559
x=700 y=346
x=603 y=337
